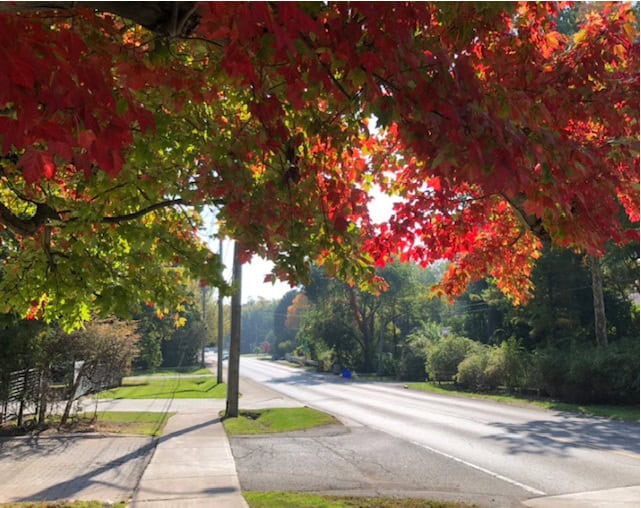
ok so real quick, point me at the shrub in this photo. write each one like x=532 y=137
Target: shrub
x=591 y=374
x=507 y=365
x=284 y=347
x=471 y=371
x=444 y=357
x=411 y=366
x=478 y=370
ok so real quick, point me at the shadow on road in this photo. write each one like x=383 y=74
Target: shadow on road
x=67 y=489
x=310 y=378
x=559 y=437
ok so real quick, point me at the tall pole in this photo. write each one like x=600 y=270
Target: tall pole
x=219 y=363
x=600 y=323
x=233 y=367
x=205 y=334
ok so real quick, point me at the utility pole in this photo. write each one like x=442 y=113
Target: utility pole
x=380 y=349
x=219 y=362
x=233 y=367
x=205 y=334
x=600 y=322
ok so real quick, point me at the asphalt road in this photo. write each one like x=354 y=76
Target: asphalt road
x=406 y=440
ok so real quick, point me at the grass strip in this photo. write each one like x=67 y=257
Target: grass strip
x=129 y=422
x=268 y=421
x=167 y=388
x=303 y=500
x=626 y=413
x=112 y=422
x=194 y=370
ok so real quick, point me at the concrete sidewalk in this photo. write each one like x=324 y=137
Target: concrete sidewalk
x=625 y=497
x=192 y=466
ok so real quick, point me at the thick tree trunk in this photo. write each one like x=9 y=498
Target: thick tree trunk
x=600 y=323
x=233 y=369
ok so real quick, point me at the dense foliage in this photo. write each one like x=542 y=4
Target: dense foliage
x=498 y=132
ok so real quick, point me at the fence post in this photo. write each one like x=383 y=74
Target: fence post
x=23 y=395
x=43 y=389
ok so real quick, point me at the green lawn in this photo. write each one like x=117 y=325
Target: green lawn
x=302 y=500
x=629 y=413
x=126 y=422
x=168 y=388
x=194 y=370
x=117 y=422
x=266 y=421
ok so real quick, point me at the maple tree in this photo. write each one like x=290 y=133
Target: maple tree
x=119 y=124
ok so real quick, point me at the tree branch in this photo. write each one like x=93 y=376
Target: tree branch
x=144 y=211
x=173 y=19
x=27 y=227
x=530 y=222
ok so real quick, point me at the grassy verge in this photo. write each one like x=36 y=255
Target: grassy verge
x=168 y=388
x=267 y=421
x=194 y=370
x=628 y=413
x=126 y=422
x=113 y=422
x=65 y=504
x=302 y=500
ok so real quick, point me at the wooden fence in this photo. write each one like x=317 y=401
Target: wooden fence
x=20 y=394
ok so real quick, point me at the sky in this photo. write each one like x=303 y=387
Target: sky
x=253 y=286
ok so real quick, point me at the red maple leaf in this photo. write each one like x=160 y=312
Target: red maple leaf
x=35 y=164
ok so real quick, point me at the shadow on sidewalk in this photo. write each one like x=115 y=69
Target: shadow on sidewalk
x=68 y=488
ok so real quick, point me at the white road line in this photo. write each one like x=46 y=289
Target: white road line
x=482 y=469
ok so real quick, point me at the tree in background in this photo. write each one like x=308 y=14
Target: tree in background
x=561 y=310
x=172 y=340
x=283 y=337
x=257 y=324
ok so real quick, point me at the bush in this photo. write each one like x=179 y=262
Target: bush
x=507 y=365
x=284 y=347
x=471 y=371
x=444 y=357
x=478 y=371
x=590 y=374
x=411 y=366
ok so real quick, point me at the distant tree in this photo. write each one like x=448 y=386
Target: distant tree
x=257 y=322
x=281 y=332
x=299 y=306
x=174 y=338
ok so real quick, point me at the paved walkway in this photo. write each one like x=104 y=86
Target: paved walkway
x=83 y=467
x=625 y=497
x=192 y=466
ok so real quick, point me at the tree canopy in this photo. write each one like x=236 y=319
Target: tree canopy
x=119 y=122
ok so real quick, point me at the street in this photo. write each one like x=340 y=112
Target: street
x=520 y=452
